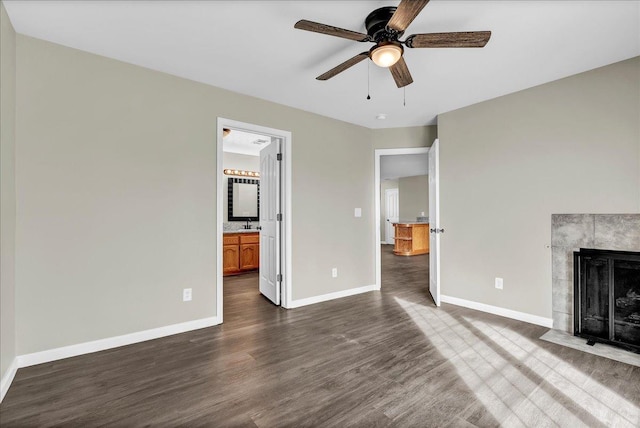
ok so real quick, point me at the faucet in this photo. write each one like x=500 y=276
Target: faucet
x=248 y=225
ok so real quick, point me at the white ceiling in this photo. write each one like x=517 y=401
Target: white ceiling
x=397 y=166
x=252 y=48
x=244 y=143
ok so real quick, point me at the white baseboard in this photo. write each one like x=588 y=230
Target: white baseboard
x=7 y=378
x=112 y=342
x=331 y=296
x=508 y=313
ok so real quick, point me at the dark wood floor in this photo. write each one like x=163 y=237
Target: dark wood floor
x=385 y=358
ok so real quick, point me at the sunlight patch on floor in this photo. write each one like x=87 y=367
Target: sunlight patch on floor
x=519 y=383
x=604 y=404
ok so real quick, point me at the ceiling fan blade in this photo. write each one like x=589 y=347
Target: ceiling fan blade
x=316 y=27
x=405 y=14
x=342 y=67
x=471 y=39
x=400 y=73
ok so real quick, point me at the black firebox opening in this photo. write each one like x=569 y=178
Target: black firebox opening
x=607 y=297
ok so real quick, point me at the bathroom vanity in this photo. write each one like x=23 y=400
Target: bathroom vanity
x=240 y=252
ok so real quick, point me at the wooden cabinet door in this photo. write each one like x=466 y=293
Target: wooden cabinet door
x=249 y=256
x=230 y=259
x=240 y=253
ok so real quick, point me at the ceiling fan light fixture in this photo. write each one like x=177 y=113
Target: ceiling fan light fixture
x=386 y=54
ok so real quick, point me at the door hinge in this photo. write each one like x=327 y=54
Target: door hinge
x=279 y=277
x=279 y=217
x=279 y=156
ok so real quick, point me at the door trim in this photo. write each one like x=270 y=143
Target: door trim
x=376 y=192
x=285 y=196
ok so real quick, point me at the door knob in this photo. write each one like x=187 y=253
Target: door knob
x=259 y=228
x=436 y=230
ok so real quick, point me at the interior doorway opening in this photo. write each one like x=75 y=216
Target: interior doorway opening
x=241 y=182
x=253 y=221
x=406 y=216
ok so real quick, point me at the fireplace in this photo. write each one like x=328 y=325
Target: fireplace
x=607 y=297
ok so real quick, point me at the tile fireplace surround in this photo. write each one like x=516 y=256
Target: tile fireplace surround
x=570 y=232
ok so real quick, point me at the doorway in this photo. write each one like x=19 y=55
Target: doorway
x=411 y=171
x=247 y=198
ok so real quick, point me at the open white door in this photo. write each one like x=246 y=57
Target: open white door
x=392 y=213
x=434 y=222
x=269 y=224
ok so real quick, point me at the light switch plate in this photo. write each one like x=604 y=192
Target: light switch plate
x=358 y=212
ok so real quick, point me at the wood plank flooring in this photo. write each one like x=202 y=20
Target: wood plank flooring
x=386 y=358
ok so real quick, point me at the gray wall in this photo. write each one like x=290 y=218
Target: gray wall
x=399 y=138
x=507 y=164
x=7 y=190
x=116 y=196
x=414 y=197
x=236 y=161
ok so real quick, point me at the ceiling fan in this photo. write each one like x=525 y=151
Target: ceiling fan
x=384 y=27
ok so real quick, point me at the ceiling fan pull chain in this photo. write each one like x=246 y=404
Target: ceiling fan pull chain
x=368 y=77
x=404 y=96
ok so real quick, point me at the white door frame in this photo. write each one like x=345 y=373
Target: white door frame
x=285 y=195
x=376 y=192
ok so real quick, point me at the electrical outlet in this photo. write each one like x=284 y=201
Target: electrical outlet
x=357 y=212
x=186 y=295
x=334 y=272
x=499 y=283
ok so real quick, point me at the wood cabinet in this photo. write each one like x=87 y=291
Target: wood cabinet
x=411 y=239
x=240 y=253
x=230 y=259
x=249 y=252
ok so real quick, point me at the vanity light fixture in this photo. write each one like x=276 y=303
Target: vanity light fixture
x=242 y=173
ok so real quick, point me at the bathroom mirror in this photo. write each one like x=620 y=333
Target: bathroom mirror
x=243 y=199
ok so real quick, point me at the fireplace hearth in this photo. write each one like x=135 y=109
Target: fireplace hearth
x=607 y=297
